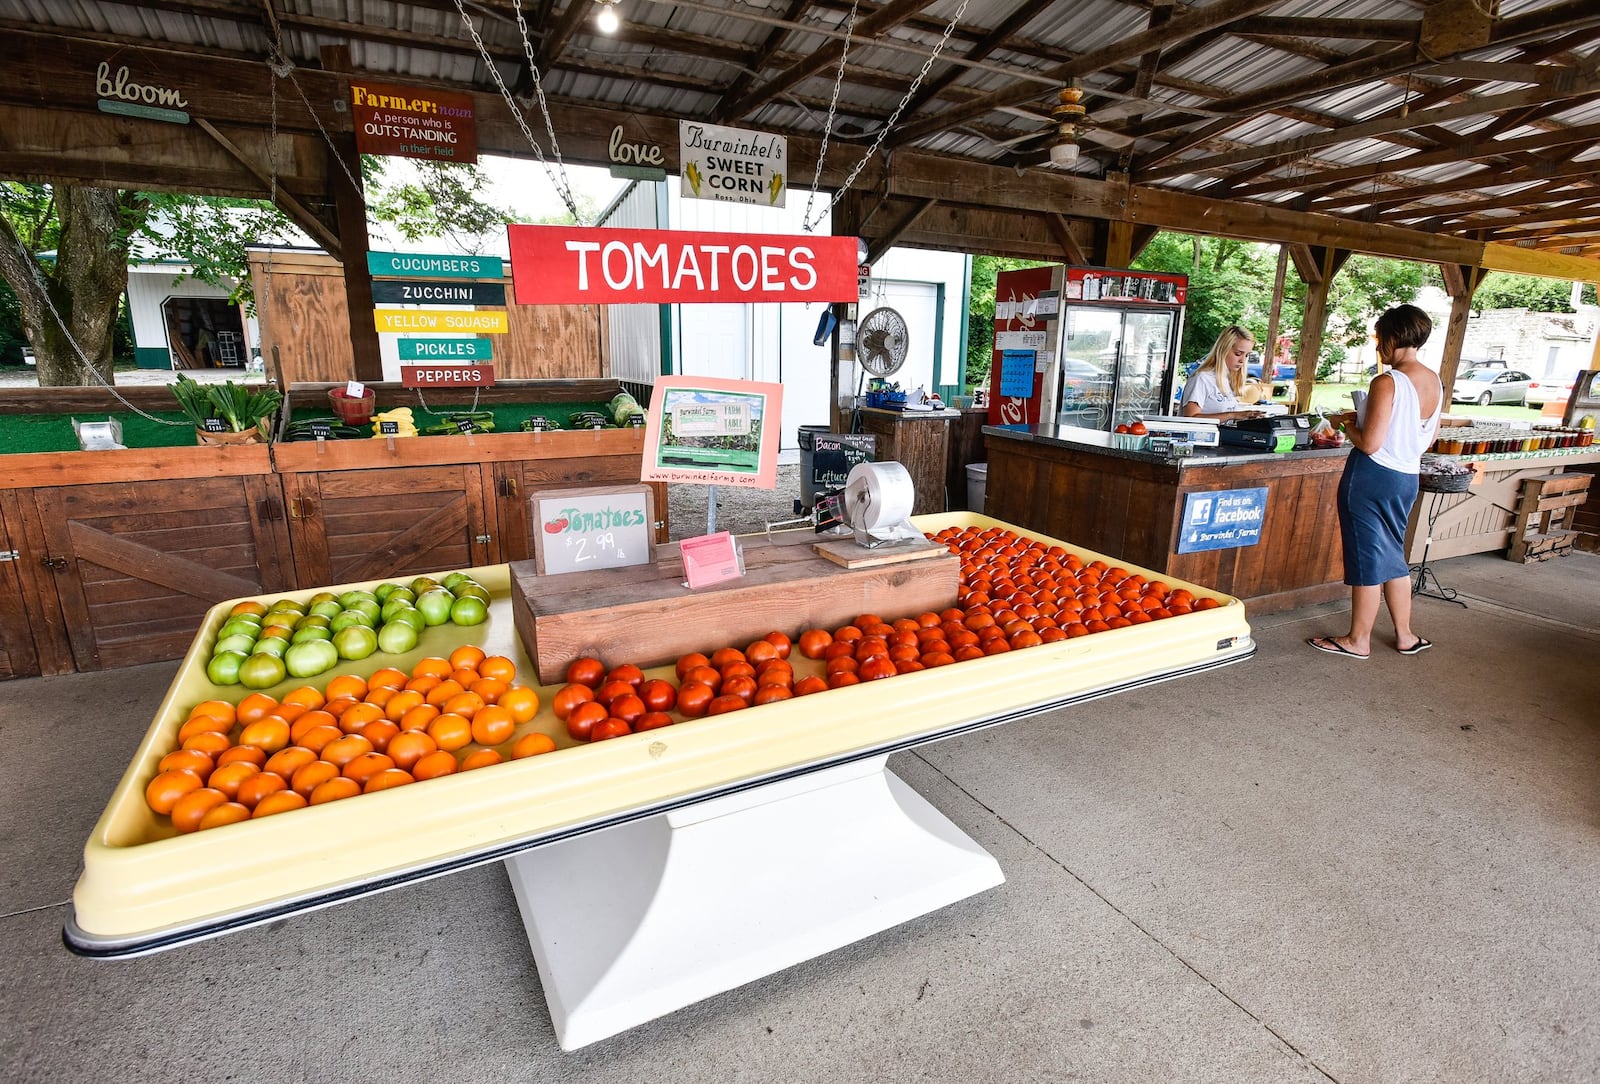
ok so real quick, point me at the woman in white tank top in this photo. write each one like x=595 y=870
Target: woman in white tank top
x=1394 y=427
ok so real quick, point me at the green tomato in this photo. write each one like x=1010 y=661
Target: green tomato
x=469 y=611
x=239 y=645
x=408 y=616
x=355 y=642
x=345 y=618
x=328 y=608
x=310 y=657
x=271 y=645
x=313 y=633
x=383 y=590
x=435 y=605
x=396 y=638
x=261 y=671
x=223 y=669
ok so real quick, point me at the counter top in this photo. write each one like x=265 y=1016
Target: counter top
x=1094 y=440
x=910 y=415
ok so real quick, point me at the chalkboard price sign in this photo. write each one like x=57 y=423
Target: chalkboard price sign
x=834 y=455
x=581 y=530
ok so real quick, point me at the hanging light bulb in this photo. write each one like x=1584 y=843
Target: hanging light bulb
x=1069 y=116
x=606 y=20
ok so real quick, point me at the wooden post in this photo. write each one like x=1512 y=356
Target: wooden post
x=1119 y=244
x=1325 y=263
x=1270 y=347
x=350 y=212
x=1460 y=282
x=847 y=222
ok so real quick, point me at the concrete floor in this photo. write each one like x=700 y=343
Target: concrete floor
x=1302 y=868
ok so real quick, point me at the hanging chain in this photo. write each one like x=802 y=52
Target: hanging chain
x=563 y=189
x=476 y=388
x=893 y=117
x=827 y=128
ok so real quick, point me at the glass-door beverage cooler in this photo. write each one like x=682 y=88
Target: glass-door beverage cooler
x=1092 y=347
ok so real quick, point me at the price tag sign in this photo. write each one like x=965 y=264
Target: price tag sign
x=321 y=430
x=389 y=429
x=581 y=530
x=355 y=389
x=465 y=425
x=709 y=559
x=214 y=425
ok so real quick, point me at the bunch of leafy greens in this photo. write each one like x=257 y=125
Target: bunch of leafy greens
x=239 y=406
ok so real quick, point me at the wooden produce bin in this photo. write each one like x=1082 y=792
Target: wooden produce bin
x=119 y=553
x=1483 y=519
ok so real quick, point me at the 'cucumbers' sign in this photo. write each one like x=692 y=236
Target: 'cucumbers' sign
x=446 y=349
x=426 y=265
x=1220 y=520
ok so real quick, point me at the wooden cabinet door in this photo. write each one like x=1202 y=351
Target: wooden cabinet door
x=18 y=657
x=517 y=483
x=352 y=525
x=137 y=564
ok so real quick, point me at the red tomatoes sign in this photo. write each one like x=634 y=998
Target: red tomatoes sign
x=576 y=265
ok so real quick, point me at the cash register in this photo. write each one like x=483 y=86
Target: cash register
x=1282 y=433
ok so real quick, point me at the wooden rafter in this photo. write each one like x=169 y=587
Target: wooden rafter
x=759 y=62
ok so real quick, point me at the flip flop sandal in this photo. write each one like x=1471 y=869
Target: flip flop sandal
x=1417 y=648
x=1333 y=647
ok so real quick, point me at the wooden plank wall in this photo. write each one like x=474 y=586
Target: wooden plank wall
x=300 y=306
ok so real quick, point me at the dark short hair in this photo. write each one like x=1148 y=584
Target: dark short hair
x=1403 y=326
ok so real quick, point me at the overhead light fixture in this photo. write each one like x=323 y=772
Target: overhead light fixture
x=606 y=19
x=1069 y=116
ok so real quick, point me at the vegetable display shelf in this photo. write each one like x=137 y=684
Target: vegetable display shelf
x=121 y=552
x=732 y=845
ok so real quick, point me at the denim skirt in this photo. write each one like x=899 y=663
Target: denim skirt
x=1374 y=507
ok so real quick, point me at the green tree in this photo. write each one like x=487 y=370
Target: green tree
x=64 y=253
x=980 y=312
x=1230 y=282
x=1500 y=290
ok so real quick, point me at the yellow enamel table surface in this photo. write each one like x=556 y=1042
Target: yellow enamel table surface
x=144 y=888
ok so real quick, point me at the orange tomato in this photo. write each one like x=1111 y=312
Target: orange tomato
x=230 y=777
x=531 y=745
x=488 y=689
x=258 y=786
x=346 y=685
x=345 y=749
x=410 y=746
x=366 y=766
x=309 y=778
x=269 y=734
x=254 y=707
x=451 y=732
x=334 y=790
x=318 y=737
x=281 y=802
x=434 y=765
x=356 y=718
x=493 y=725
x=305 y=696
x=499 y=668
x=249 y=753
x=384 y=780
x=419 y=717
x=442 y=693
x=467 y=657
x=432 y=666
x=226 y=813
x=189 y=760
x=210 y=744
x=760 y=651
x=481 y=758
x=402 y=702
x=780 y=641
x=286 y=762
x=203 y=724
x=522 y=702
x=187 y=810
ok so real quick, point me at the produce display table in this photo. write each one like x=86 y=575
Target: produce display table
x=653 y=869
x=1484 y=518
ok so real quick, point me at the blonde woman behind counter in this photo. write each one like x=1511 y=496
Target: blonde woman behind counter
x=1214 y=389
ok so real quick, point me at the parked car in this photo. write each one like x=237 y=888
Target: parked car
x=1282 y=372
x=1081 y=378
x=1551 y=389
x=1485 y=386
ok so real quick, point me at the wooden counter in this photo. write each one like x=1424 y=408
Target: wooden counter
x=918 y=441
x=1070 y=483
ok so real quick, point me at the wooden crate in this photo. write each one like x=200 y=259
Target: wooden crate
x=645 y=615
x=1544 y=516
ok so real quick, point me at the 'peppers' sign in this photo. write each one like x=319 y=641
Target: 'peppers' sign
x=585 y=265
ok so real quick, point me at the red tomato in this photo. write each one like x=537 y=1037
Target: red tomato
x=569 y=697
x=781 y=642
x=626 y=672
x=628 y=708
x=808 y=685
x=586 y=671
x=658 y=695
x=813 y=642
x=689 y=662
x=611 y=690
x=652 y=720
x=742 y=687
x=876 y=668
x=770 y=693
x=693 y=698
x=584 y=717
x=724 y=704
x=1138 y=429
x=609 y=728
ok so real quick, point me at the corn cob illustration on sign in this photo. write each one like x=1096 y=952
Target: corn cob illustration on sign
x=733 y=165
